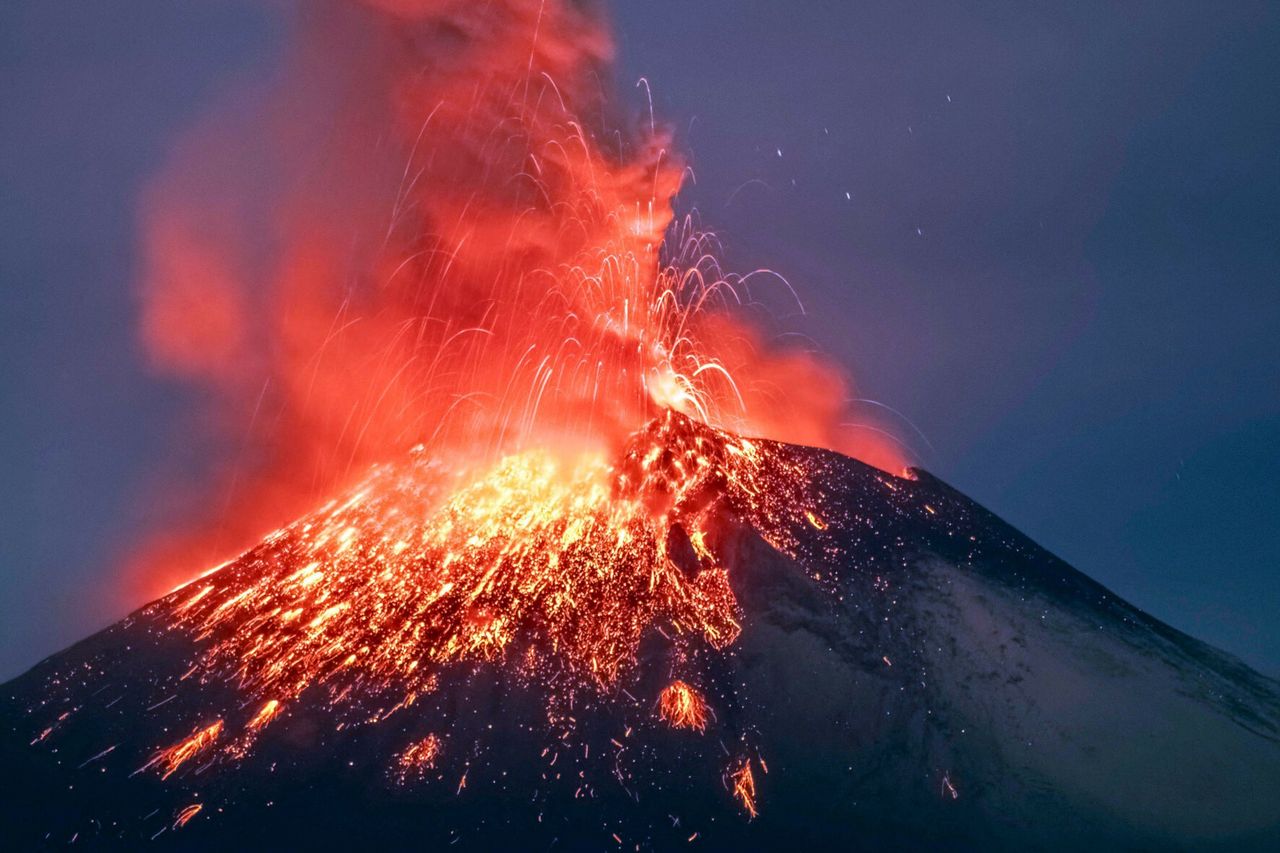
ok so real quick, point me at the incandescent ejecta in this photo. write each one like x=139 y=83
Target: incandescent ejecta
x=567 y=554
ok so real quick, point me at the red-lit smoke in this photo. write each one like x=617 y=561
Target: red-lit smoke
x=431 y=227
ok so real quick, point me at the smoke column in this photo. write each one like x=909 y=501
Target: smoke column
x=432 y=227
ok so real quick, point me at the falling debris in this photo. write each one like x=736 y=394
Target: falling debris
x=186 y=814
x=180 y=753
x=683 y=707
x=744 y=788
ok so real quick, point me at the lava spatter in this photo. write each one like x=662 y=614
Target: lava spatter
x=683 y=707
x=562 y=561
x=552 y=569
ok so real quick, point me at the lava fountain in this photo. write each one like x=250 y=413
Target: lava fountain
x=432 y=274
x=430 y=227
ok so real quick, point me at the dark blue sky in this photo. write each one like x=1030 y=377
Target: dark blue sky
x=1058 y=255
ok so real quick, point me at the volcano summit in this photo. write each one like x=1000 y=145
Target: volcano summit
x=703 y=641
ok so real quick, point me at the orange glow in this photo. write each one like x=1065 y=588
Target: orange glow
x=421 y=567
x=683 y=707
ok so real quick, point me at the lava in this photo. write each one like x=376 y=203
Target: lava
x=186 y=815
x=421 y=567
x=265 y=714
x=683 y=707
x=180 y=753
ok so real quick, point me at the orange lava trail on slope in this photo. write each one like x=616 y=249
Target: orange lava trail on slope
x=171 y=759
x=185 y=816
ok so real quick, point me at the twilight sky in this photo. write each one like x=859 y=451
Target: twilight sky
x=1049 y=237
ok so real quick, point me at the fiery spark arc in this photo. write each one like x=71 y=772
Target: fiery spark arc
x=180 y=753
x=683 y=707
x=186 y=815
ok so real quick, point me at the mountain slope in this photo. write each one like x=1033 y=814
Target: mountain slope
x=894 y=668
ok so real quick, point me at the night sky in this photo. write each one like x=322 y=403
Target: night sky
x=1049 y=237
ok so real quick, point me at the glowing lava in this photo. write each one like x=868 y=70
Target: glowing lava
x=553 y=568
x=171 y=759
x=421 y=567
x=186 y=815
x=744 y=787
x=418 y=758
x=683 y=707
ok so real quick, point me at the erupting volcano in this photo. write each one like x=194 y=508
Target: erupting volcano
x=703 y=639
x=568 y=556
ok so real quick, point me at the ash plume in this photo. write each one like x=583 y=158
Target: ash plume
x=433 y=224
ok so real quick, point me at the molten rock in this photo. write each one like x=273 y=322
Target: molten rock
x=710 y=639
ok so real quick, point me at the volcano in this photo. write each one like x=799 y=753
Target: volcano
x=703 y=641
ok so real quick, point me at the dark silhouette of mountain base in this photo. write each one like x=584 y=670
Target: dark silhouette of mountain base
x=912 y=673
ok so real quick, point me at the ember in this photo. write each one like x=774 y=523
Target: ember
x=683 y=707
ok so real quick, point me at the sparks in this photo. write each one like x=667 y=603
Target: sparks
x=683 y=707
x=744 y=788
x=265 y=714
x=419 y=757
x=186 y=814
x=175 y=756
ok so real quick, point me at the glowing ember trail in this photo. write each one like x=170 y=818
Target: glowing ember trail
x=180 y=753
x=418 y=758
x=265 y=714
x=186 y=815
x=683 y=707
x=744 y=787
